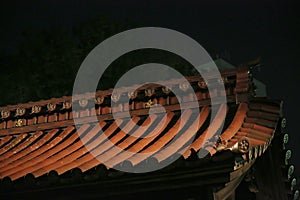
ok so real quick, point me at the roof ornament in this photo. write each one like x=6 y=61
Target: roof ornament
x=288 y=155
x=166 y=89
x=66 y=105
x=202 y=84
x=36 y=109
x=20 y=112
x=283 y=123
x=19 y=122
x=149 y=92
x=83 y=103
x=293 y=184
x=5 y=113
x=184 y=86
x=99 y=100
x=51 y=107
x=285 y=140
x=132 y=94
x=149 y=104
x=291 y=170
x=296 y=195
x=243 y=146
x=115 y=97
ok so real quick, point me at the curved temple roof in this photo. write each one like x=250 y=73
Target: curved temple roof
x=40 y=138
x=61 y=150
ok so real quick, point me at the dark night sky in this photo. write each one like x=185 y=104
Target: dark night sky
x=269 y=29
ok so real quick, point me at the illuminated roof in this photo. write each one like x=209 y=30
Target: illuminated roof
x=39 y=138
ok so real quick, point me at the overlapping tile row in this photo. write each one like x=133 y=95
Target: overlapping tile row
x=236 y=81
x=250 y=132
x=63 y=148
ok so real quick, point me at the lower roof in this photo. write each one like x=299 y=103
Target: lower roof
x=248 y=130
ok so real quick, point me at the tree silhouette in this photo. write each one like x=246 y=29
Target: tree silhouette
x=46 y=61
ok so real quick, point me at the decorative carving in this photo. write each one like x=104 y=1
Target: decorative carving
x=66 y=105
x=51 y=107
x=293 y=184
x=20 y=111
x=166 y=89
x=184 y=86
x=286 y=138
x=288 y=155
x=149 y=92
x=243 y=146
x=83 y=102
x=202 y=84
x=36 y=109
x=115 y=97
x=290 y=171
x=19 y=122
x=149 y=104
x=296 y=195
x=132 y=94
x=283 y=123
x=5 y=113
x=99 y=100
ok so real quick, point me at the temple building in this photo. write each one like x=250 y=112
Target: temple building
x=43 y=154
